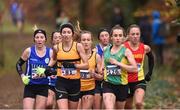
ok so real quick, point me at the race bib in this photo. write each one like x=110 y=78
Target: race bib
x=85 y=74
x=37 y=76
x=68 y=71
x=113 y=70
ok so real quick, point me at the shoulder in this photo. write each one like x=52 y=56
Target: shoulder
x=127 y=52
x=27 y=50
x=26 y=53
x=147 y=48
x=56 y=47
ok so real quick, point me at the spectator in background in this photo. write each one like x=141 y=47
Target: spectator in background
x=117 y=17
x=157 y=38
x=61 y=19
x=20 y=17
x=13 y=10
x=146 y=30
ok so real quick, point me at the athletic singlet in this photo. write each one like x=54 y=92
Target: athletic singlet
x=71 y=56
x=99 y=50
x=35 y=61
x=139 y=58
x=113 y=73
x=87 y=82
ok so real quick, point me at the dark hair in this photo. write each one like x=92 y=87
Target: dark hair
x=67 y=25
x=118 y=27
x=40 y=31
x=102 y=30
x=52 y=34
x=132 y=26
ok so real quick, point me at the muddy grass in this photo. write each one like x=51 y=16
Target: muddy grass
x=11 y=90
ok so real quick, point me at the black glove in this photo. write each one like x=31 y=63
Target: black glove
x=50 y=71
x=68 y=65
x=148 y=77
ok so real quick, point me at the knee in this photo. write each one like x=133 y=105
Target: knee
x=128 y=106
x=139 y=104
x=49 y=105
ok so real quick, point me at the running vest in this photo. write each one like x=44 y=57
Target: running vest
x=139 y=58
x=87 y=82
x=99 y=50
x=113 y=73
x=35 y=61
x=71 y=56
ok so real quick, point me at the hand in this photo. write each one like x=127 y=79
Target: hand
x=92 y=73
x=113 y=61
x=68 y=65
x=40 y=71
x=25 y=79
x=148 y=77
x=98 y=76
x=48 y=71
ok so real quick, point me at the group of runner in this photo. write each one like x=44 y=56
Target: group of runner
x=75 y=75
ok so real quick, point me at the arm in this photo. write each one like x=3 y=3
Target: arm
x=84 y=64
x=99 y=74
x=48 y=71
x=53 y=56
x=22 y=60
x=150 y=62
x=132 y=67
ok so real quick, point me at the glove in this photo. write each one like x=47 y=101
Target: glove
x=25 y=79
x=48 y=71
x=148 y=77
x=40 y=71
x=68 y=65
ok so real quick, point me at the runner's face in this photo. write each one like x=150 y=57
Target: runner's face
x=134 y=35
x=104 y=38
x=67 y=34
x=117 y=37
x=86 y=41
x=39 y=40
x=56 y=38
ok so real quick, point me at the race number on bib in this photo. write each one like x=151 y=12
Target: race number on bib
x=113 y=70
x=37 y=76
x=68 y=71
x=85 y=74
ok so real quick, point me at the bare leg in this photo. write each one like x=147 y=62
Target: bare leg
x=97 y=101
x=139 y=98
x=40 y=102
x=120 y=104
x=51 y=99
x=28 y=103
x=87 y=101
x=129 y=103
x=62 y=103
x=73 y=104
x=109 y=100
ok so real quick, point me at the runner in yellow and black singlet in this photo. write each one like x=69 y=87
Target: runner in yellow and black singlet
x=68 y=55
